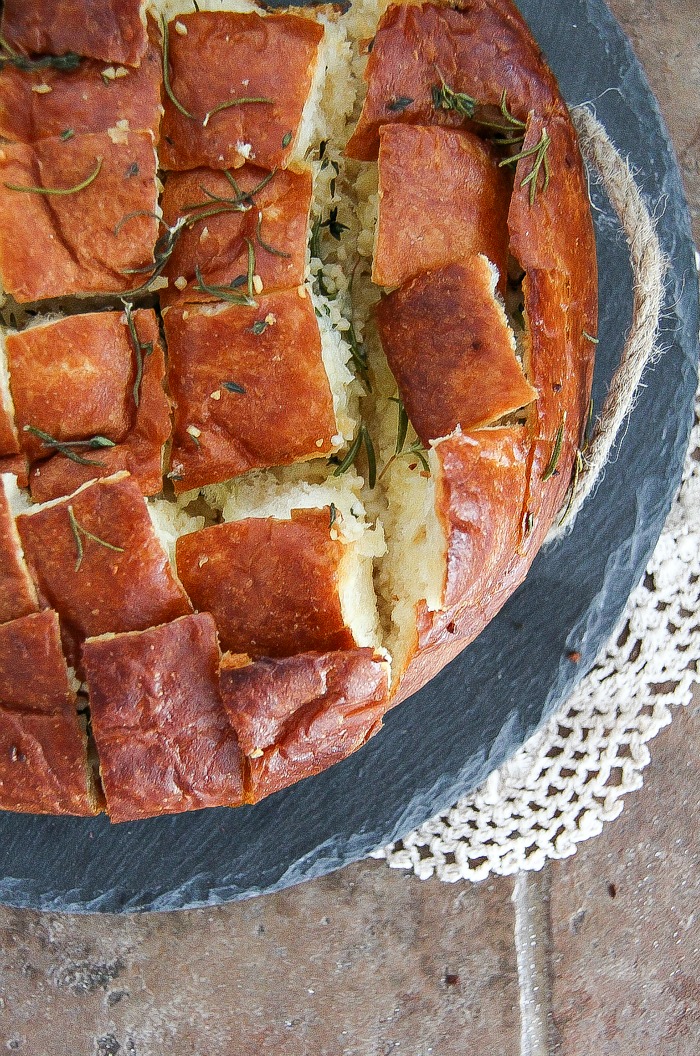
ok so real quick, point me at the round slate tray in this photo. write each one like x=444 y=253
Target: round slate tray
x=467 y=721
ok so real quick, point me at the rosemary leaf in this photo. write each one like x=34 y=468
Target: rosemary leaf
x=140 y=349
x=250 y=274
x=333 y=515
x=67 y=133
x=286 y=139
x=401 y=428
x=234 y=102
x=334 y=225
x=65 y=447
x=265 y=245
x=371 y=457
x=591 y=338
x=231 y=386
x=223 y=293
x=60 y=190
x=80 y=533
x=259 y=327
x=166 y=72
x=556 y=451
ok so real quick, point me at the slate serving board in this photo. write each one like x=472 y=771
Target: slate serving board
x=444 y=741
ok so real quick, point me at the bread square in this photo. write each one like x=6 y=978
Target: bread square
x=162 y=734
x=249 y=387
x=111 y=30
x=43 y=749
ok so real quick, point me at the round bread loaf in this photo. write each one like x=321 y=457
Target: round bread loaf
x=296 y=373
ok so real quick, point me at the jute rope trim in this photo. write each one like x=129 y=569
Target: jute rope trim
x=649 y=267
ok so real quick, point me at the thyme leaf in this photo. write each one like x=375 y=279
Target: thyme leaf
x=541 y=161
x=234 y=102
x=445 y=98
x=65 y=447
x=334 y=225
x=556 y=450
x=166 y=71
x=140 y=349
x=59 y=190
x=80 y=533
x=222 y=293
x=400 y=103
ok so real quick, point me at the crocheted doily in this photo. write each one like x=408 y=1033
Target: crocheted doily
x=572 y=775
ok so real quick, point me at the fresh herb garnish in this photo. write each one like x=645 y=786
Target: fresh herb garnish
x=556 y=450
x=416 y=448
x=259 y=327
x=231 y=386
x=399 y=104
x=265 y=245
x=166 y=72
x=222 y=293
x=234 y=102
x=359 y=358
x=67 y=133
x=512 y=131
x=59 y=190
x=362 y=439
x=69 y=61
x=445 y=98
x=286 y=139
x=80 y=533
x=65 y=447
x=539 y=152
x=334 y=225
x=140 y=348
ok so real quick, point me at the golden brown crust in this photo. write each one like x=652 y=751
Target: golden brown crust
x=43 y=751
x=105 y=589
x=140 y=450
x=450 y=348
x=442 y=198
x=81 y=100
x=270 y=584
x=479 y=47
x=272 y=352
x=299 y=715
x=17 y=593
x=480 y=489
x=111 y=30
x=86 y=241
x=224 y=56
x=17 y=466
x=217 y=243
x=163 y=737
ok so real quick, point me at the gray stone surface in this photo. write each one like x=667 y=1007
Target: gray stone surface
x=365 y=962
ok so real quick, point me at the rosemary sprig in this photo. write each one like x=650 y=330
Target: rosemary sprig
x=67 y=62
x=556 y=450
x=162 y=252
x=234 y=102
x=539 y=152
x=359 y=358
x=362 y=439
x=141 y=349
x=444 y=98
x=80 y=533
x=513 y=131
x=65 y=447
x=265 y=245
x=166 y=72
x=223 y=293
x=59 y=190
x=416 y=448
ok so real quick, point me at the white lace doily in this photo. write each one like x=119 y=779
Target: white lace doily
x=571 y=776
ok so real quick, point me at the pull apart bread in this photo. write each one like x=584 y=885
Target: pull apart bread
x=298 y=322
